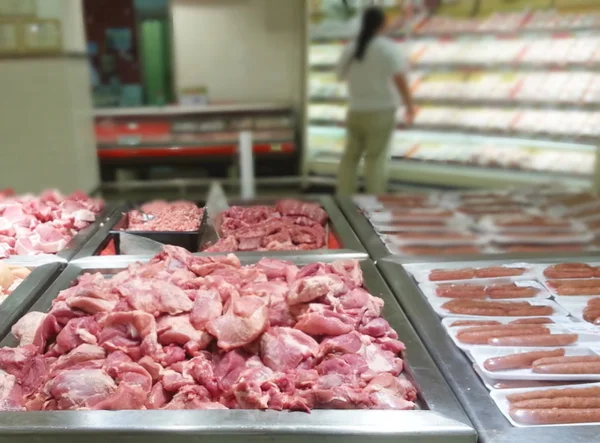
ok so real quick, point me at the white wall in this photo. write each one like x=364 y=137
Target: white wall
x=242 y=50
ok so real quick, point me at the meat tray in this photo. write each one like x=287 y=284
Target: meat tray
x=188 y=240
x=490 y=424
x=439 y=419
x=340 y=235
x=20 y=300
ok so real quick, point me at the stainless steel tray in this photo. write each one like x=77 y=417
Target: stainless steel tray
x=25 y=295
x=342 y=230
x=489 y=422
x=441 y=418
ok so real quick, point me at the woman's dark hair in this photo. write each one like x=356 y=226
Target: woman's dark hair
x=372 y=21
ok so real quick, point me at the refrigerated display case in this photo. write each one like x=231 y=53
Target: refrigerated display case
x=179 y=135
x=500 y=99
x=438 y=418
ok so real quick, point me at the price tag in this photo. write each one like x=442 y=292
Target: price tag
x=129 y=139
x=276 y=147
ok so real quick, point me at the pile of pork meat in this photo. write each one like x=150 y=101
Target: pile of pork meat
x=31 y=225
x=185 y=332
x=290 y=225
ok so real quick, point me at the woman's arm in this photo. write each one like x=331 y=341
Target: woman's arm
x=403 y=87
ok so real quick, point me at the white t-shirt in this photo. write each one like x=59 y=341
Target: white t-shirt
x=370 y=80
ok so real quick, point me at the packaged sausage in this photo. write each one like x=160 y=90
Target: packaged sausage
x=523 y=360
x=497 y=308
x=447 y=272
x=486 y=289
x=566 y=405
x=529 y=223
x=543 y=238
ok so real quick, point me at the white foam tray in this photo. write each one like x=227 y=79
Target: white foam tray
x=482 y=353
x=500 y=398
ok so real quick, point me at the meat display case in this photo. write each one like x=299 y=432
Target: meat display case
x=342 y=239
x=490 y=424
x=440 y=418
x=31 y=288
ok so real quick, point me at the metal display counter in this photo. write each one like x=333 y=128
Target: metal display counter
x=440 y=418
x=363 y=228
x=350 y=244
x=490 y=424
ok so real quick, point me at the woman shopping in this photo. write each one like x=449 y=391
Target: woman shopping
x=375 y=69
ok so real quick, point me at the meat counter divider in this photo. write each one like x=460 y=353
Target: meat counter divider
x=337 y=220
x=29 y=291
x=443 y=422
x=491 y=425
x=83 y=237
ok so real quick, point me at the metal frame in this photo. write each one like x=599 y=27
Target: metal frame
x=443 y=422
x=491 y=425
x=26 y=294
x=81 y=239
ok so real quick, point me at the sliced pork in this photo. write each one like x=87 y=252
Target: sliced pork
x=185 y=332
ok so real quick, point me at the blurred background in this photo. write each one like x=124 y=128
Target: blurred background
x=136 y=96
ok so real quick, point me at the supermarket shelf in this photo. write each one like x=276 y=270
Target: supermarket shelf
x=183 y=110
x=569 y=138
x=193 y=150
x=517 y=33
x=143 y=144
x=484 y=103
x=429 y=173
x=501 y=67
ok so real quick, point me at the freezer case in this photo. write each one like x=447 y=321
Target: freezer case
x=439 y=417
x=490 y=424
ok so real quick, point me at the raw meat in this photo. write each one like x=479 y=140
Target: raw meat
x=179 y=216
x=32 y=225
x=289 y=225
x=185 y=332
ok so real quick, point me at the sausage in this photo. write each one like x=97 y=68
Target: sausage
x=501 y=327
x=514 y=384
x=554 y=416
x=498 y=271
x=568 y=368
x=487 y=304
x=519 y=361
x=592 y=391
x=589 y=282
x=596 y=271
x=559 y=403
x=569 y=270
x=483 y=337
x=533 y=311
x=451 y=274
x=475 y=323
x=591 y=314
x=483 y=312
x=570 y=359
x=594 y=303
x=579 y=290
x=511 y=291
x=532 y=321
x=535 y=340
x=447 y=250
x=461 y=291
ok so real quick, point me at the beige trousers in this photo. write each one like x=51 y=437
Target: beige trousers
x=369 y=134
